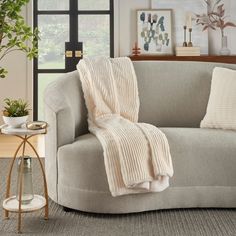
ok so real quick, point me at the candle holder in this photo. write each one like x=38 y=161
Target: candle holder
x=190 y=44
x=185 y=41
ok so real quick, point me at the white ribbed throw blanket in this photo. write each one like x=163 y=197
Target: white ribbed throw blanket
x=136 y=155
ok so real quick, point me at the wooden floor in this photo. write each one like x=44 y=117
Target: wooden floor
x=8 y=145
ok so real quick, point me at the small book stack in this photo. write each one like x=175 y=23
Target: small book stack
x=187 y=51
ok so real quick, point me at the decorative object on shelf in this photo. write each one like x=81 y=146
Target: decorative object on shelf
x=15 y=112
x=216 y=19
x=190 y=44
x=23 y=202
x=185 y=38
x=187 y=51
x=24 y=168
x=136 y=50
x=180 y=10
x=154 y=31
x=36 y=125
x=224 y=46
x=188 y=24
x=14 y=33
x=189 y=20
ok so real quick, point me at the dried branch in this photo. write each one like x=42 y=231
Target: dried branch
x=215 y=17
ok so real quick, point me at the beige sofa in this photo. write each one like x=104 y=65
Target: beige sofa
x=173 y=96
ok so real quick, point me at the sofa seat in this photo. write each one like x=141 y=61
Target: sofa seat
x=204 y=162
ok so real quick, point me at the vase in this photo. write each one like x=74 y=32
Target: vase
x=224 y=46
x=27 y=183
x=15 y=122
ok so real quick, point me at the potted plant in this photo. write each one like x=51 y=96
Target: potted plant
x=14 y=32
x=15 y=112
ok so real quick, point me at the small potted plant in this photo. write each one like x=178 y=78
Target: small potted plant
x=15 y=112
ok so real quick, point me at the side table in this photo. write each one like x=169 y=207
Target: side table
x=11 y=204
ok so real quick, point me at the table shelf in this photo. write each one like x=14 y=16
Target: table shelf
x=12 y=204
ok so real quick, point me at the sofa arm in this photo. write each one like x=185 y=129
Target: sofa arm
x=66 y=114
x=64 y=98
x=58 y=115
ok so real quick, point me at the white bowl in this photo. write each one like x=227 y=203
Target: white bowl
x=15 y=122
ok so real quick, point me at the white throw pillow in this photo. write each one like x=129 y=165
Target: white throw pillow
x=221 y=108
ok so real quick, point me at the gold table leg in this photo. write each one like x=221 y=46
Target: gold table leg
x=44 y=180
x=21 y=182
x=9 y=176
x=25 y=140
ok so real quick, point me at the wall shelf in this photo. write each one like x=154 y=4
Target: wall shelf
x=205 y=58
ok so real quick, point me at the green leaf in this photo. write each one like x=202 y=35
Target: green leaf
x=16 y=33
x=16 y=108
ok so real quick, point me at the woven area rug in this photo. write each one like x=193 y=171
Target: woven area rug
x=193 y=222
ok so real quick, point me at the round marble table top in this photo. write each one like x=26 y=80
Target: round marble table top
x=5 y=129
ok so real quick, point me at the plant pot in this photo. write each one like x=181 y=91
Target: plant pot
x=15 y=122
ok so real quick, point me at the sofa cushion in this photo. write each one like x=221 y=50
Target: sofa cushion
x=221 y=109
x=201 y=157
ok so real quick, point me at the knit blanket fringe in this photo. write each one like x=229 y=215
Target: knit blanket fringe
x=136 y=155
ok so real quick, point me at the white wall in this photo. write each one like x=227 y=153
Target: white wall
x=127 y=27
x=18 y=83
x=127 y=23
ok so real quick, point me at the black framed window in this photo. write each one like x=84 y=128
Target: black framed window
x=69 y=29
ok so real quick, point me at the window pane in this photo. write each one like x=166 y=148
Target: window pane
x=94 y=4
x=94 y=32
x=53 y=4
x=54 y=32
x=43 y=81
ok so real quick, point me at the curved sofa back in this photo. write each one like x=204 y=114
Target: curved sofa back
x=174 y=94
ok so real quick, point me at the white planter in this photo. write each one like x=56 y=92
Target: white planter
x=15 y=122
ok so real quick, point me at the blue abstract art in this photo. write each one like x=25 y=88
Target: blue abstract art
x=154 y=31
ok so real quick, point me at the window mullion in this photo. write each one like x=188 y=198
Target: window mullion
x=74 y=21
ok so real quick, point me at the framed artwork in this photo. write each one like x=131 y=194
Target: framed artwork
x=180 y=9
x=154 y=31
